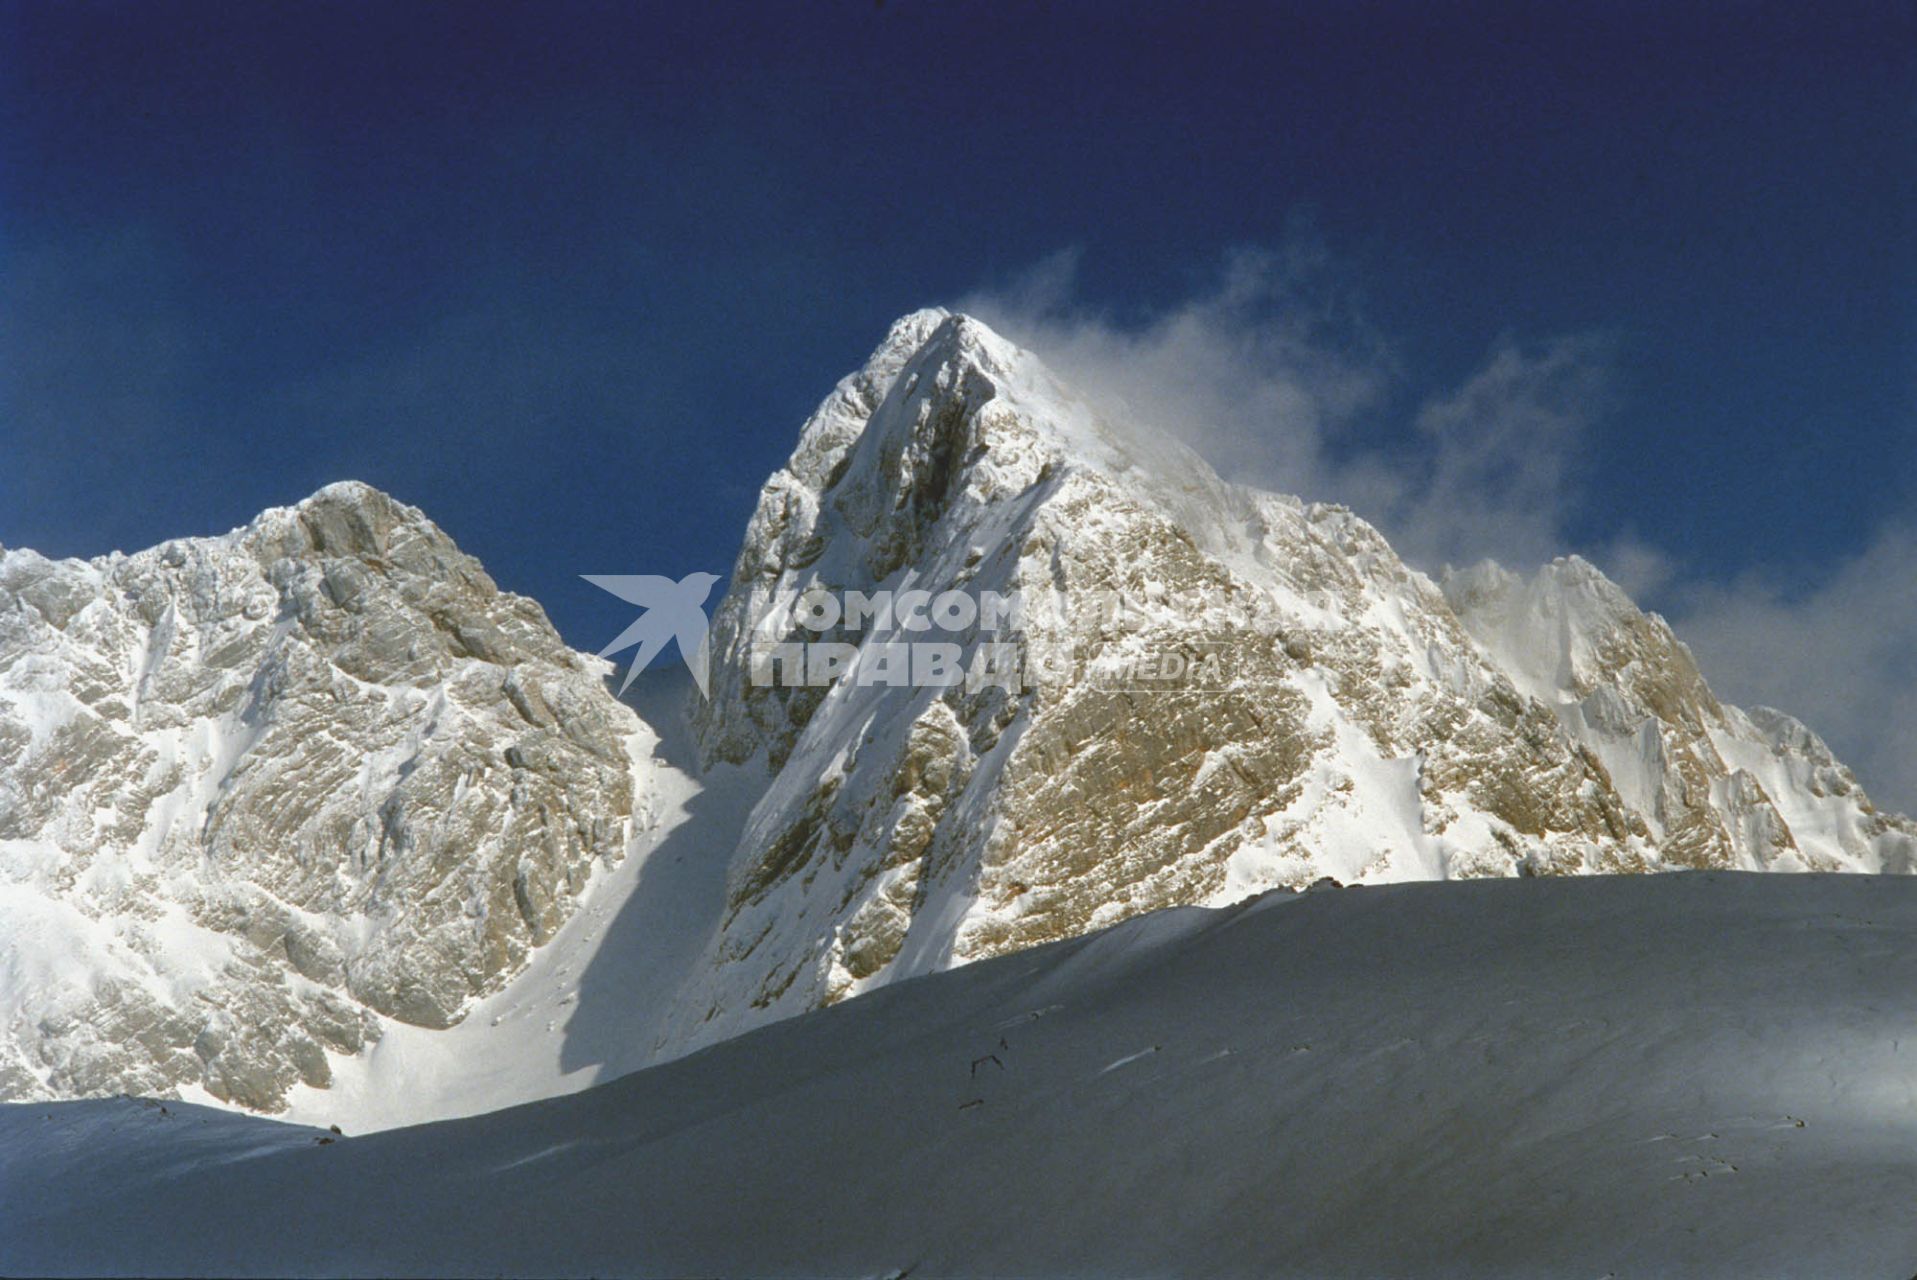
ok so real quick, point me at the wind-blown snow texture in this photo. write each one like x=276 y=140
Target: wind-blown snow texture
x=1698 y=1076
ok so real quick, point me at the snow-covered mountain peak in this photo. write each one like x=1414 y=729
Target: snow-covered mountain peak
x=257 y=789
x=347 y=517
x=948 y=413
x=1375 y=726
x=262 y=795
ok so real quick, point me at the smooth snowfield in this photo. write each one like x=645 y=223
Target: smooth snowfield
x=1684 y=1075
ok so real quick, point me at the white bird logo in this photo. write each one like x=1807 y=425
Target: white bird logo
x=673 y=610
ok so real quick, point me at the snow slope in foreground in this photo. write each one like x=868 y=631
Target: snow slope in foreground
x=1697 y=1075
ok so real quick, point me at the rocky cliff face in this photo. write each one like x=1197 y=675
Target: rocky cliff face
x=1368 y=725
x=1716 y=786
x=256 y=788
x=262 y=794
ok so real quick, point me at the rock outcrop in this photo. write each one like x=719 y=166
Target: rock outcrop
x=1358 y=720
x=255 y=789
x=262 y=794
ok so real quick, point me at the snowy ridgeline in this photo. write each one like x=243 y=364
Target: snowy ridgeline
x=312 y=819
x=1377 y=725
x=1696 y=1075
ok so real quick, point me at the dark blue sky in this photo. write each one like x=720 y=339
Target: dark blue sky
x=570 y=276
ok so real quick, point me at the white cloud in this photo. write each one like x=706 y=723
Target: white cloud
x=1642 y=569
x=1275 y=376
x=1840 y=656
x=1260 y=373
